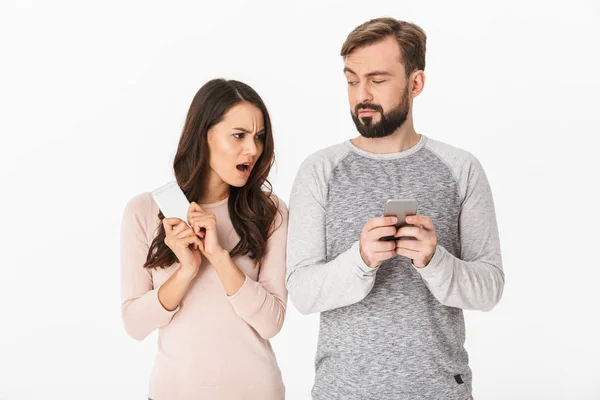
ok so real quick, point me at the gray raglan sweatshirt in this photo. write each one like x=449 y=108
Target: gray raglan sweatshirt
x=393 y=332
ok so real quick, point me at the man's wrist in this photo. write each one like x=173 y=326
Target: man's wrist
x=427 y=260
x=365 y=258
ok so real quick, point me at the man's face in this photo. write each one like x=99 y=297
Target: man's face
x=377 y=88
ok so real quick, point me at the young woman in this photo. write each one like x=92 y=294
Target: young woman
x=213 y=285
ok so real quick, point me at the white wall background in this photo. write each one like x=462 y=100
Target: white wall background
x=93 y=96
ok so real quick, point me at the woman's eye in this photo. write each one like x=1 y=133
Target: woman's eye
x=260 y=137
x=238 y=135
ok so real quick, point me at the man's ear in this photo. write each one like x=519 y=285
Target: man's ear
x=417 y=83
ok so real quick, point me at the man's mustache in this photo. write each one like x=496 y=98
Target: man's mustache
x=367 y=106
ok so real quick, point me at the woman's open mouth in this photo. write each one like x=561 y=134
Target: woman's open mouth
x=244 y=169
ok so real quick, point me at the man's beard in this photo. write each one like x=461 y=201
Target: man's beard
x=388 y=123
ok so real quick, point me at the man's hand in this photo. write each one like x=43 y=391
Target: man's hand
x=422 y=248
x=373 y=251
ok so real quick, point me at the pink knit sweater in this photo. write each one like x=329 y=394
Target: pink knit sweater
x=212 y=346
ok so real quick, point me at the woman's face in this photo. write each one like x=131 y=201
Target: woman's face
x=236 y=143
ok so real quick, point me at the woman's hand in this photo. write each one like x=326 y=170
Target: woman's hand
x=182 y=240
x=204 y=225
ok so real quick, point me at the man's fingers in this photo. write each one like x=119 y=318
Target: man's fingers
x=406 y=253
x=412 y=231
x=422 y=220
x=411 y=245
x=378 y=222
x=386 y=255
x=378 y=233
x=382 y=247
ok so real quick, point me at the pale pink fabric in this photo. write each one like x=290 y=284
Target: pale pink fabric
x=213 y=346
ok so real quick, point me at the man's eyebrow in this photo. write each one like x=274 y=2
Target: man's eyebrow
x=379 y=73
x=370 y=74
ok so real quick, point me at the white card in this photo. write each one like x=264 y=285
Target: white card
x=172 y=201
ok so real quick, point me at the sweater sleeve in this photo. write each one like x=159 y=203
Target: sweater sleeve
x=475 y=281
x=141 y=310
x=262 y=303
x=315 y=283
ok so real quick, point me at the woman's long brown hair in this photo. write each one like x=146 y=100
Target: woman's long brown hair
x=252 y=208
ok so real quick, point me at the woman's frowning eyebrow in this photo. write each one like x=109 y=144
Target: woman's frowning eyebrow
x=247 y=131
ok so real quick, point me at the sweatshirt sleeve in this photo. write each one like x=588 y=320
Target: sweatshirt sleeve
x=316 y=284
x=475 y=281
x=141 y=310
x=262 y=304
